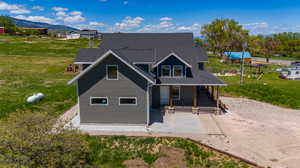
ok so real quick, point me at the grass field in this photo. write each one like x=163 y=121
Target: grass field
x=270 y=88
x=31 y=65
x=117 y=149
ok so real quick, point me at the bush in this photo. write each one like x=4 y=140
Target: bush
x=30 y=140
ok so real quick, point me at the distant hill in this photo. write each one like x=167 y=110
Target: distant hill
x=30 y=24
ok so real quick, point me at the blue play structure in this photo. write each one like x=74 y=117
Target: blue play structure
x=237 y=55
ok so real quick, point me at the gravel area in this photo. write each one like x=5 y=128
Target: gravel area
x=261 y=132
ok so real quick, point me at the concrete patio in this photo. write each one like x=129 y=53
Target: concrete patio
x=172 y=124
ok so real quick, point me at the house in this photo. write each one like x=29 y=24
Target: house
x=73 y=35
x=132 y=73
x=86 y=33
x=291 y=73
x=236 y=57
x=2 y=30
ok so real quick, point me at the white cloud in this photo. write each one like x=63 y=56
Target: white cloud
x=166 y=19
x=194 y=27
x=13 y=9
x=97 y=24
x=129 y=23
x=20 y=11
x=125 y=2
x=74 y=13
x=74 y=19
x=68 y=17
x=36 y=19
x=59 y=9
x=103 y=0
x=39 y=8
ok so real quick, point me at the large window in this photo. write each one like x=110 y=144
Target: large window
x=127 y=101
x=175 y=92
x=178 y=71
x=166 y=70
x=112 y=72
x=98 y=101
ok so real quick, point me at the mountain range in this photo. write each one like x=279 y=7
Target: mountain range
x=30 y=24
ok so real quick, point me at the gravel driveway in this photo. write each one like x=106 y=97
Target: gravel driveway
x=261 y=132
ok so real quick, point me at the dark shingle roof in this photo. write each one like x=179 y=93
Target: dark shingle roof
x=199 y=78
x=161 y=44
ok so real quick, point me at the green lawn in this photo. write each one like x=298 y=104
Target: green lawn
x=269 y=89
x=114 y=150
x=38 y=65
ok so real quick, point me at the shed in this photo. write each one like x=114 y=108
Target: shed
x=2 y=31
x=236 y=57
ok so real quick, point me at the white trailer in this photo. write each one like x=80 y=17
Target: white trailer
x=291 y=73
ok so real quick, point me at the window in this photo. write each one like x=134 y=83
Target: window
x=127 y=101
x=175 y=92
x=178 y=71
x=112 y=72
x=166 y=70
x=98 y=101
x=297 y=72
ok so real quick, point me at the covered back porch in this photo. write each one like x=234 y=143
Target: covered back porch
x=179 y=98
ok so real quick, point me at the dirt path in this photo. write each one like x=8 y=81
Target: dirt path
x=261 y=132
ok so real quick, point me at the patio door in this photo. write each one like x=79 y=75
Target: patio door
x=164 y=95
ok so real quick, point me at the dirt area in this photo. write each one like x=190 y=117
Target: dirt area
x=261 y=132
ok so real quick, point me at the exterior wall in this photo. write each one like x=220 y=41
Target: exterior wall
x=186 y=96
x=129 y=84
x=170 y=61
x=155 y=96
x=144 y=67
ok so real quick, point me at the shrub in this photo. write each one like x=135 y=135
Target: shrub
x=30 y=140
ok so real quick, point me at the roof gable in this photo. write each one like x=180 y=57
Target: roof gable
x=124 y=60
x=176 y=56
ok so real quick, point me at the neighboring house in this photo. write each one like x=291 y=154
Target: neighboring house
x=2 y=30
x=236 y=57
x=132 y=73
x=291 y=73
x=86 y=33
x=73 y=35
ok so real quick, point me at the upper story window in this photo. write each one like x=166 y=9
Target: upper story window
x=112 y=72
x=178 y=71
x=98 y=101
x=165 y=70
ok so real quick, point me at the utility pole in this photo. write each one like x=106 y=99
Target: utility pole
x=244 y=45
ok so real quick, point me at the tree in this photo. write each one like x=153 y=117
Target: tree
x=6 y=22
x=224 y=35
x=30 y=140
x=270 y=44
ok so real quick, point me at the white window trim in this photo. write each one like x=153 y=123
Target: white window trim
x=182 y=74
x=179 y=96
x=170 y=71
x=128 y=104
x=99 y=104
x=112 y=65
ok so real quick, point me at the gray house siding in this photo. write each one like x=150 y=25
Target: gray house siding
x=171 y=61
x=155 y=96
x=129 y=84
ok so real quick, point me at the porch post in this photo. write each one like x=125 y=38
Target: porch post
x=195 y=103
x=170 y=97
x=213 y=93
x=218 y=99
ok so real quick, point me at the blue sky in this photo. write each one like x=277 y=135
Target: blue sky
x=259 y=16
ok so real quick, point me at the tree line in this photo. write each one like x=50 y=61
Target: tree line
x=227 y=35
